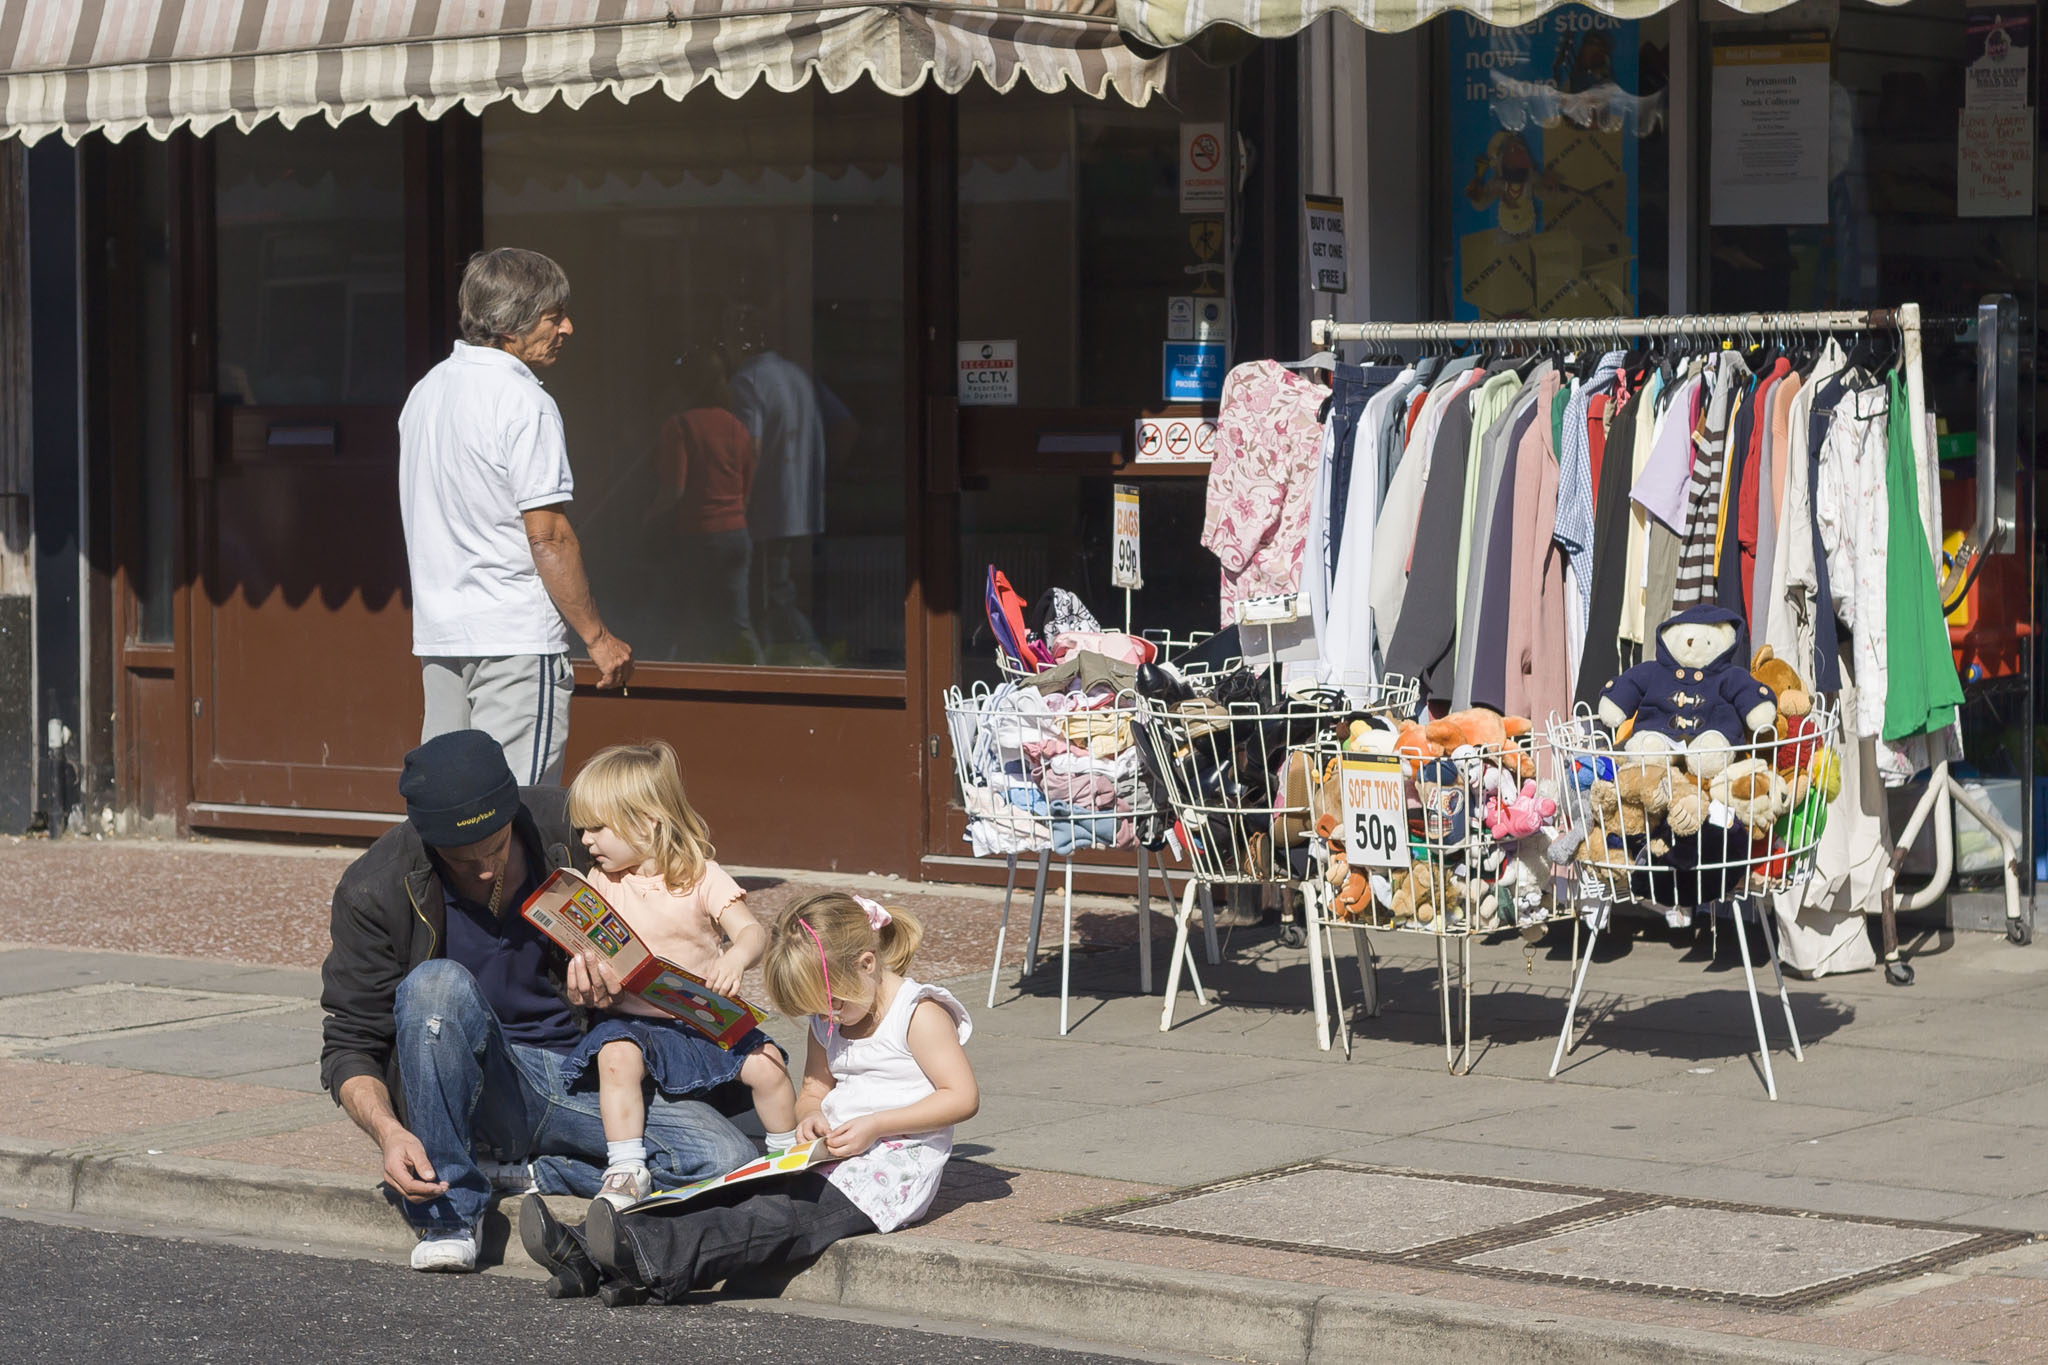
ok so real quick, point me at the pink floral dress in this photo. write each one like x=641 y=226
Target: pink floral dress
x=1269 y=441
x=893 y=1182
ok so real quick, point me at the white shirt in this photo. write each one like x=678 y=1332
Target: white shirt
x=779 y=404
x=893 y=1182
x=479 y=443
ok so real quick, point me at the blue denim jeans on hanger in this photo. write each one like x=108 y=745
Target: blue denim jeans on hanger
x=465 y=1084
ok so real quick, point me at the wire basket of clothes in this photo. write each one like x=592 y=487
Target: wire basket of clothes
x=1447 y=829
x=1700 y=825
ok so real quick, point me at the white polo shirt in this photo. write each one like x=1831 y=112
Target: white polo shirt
x=479 y=442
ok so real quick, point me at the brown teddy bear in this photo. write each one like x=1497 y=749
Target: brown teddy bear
x=1757 y=795
x=1424 y=891
x=1783 y=680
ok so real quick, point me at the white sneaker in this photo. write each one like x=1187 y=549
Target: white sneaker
x=625 y=1185
x=452 y=1253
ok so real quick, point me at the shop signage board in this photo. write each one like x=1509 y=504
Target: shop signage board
x=1204 y=168
x=1769 y=161
x=1180 y=318
x=1193 y=371
x=1543 y=209
x=1995 y=163
x=1124 y=571
x=1375 y=810
x=988 y=374
x=1176 y=440
x=1212 y=319
x=1327 y=264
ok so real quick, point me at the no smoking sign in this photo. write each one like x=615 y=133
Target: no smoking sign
x=1176 y=440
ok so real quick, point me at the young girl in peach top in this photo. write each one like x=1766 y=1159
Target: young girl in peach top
x=652 y=856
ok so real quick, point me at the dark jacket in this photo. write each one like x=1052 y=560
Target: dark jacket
x=390 y=916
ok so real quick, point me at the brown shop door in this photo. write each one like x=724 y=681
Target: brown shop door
x=305 y=691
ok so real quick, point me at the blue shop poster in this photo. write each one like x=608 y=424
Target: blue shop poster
x=1544 y=122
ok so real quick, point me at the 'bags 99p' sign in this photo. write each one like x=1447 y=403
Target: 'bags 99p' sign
x=1375 y=811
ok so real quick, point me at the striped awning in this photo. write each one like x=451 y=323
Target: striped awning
x=76 y=66
x=1166 y=23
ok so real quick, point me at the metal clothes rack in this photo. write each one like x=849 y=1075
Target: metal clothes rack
x=1995 y=365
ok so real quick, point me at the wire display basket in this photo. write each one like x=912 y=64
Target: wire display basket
x=1703 y=829
x=1237 y=778
x=1723 y=828
x=1052 y=780
x=1166 y=647
x=1450 y=845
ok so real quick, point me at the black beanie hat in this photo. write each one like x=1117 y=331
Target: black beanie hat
x=458 y=789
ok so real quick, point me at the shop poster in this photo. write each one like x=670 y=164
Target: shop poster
x=1544 y=122
x=1769 y=162
x=1995 y=128
x=1997 y=52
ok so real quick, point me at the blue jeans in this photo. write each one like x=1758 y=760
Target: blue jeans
x=465 y=1084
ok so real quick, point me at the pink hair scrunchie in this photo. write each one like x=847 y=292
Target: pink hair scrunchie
x=877 y=913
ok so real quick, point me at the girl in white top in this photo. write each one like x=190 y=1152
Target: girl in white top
x=652 y=856
x=885 y=1080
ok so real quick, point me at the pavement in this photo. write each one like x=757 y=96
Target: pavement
x=1222 y=1189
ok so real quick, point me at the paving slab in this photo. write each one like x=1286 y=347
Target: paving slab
x=236 y=1048
x=1560 y=1163
x=1992 y=1160
x=1151 y=1146
x=1382 y=1101
x=113 y=1008
x=1355 y=1210
x=1719 y=1251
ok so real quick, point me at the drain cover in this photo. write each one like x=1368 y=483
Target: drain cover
x=1559 y=1234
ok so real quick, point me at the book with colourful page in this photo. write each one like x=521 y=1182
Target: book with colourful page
x=571 y=911
x=801 y=1157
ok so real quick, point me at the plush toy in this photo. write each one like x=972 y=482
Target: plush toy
x=1413 y=741
x=1787 y=690
x=1695 y=697
x=1756 y=794
x=1516 y=814
x=1493 y=734
x=1425 y=890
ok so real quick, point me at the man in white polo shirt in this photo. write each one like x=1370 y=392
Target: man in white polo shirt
x=483 y=477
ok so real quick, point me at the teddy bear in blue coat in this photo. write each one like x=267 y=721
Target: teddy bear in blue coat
x=1696 y=698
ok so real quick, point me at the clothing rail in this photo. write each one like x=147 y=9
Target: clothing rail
x=1944 y=792
x=1905 y=318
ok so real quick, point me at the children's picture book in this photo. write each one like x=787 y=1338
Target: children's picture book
x=569 y=910
x=801 y=1157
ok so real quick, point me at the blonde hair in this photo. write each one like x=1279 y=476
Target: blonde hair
x=636 y=791
x=796 y=964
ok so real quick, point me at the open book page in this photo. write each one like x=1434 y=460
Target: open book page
x=801 y=1157
x=572 y=912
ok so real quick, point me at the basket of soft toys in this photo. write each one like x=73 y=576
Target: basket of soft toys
x=1482 y=798
x=1699 y=779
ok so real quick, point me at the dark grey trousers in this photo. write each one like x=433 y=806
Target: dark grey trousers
x=727 y=1235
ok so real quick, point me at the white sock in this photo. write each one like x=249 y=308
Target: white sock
x=631 y=1152
x=782 y=1142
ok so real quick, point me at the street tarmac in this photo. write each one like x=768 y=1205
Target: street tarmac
x=79 y=1295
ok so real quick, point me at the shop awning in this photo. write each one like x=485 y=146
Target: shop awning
x=1166 y=23
x=75 y=66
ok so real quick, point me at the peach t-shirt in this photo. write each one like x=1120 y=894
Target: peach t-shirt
x=686 y=927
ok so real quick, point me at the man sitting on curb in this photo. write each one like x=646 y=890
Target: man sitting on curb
x=448 y=1014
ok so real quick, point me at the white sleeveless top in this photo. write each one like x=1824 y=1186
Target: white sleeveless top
x=894 y=1181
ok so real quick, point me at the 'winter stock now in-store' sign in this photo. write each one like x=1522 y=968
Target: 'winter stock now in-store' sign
x=988 y=374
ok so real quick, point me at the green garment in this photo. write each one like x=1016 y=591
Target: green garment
x=1492 y=402
x=1922 y=691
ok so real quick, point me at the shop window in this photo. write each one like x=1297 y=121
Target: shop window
x=1073 y=244
x=311 y=265
x=733 y=393
x=1553 y=175
x=1072 y=237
